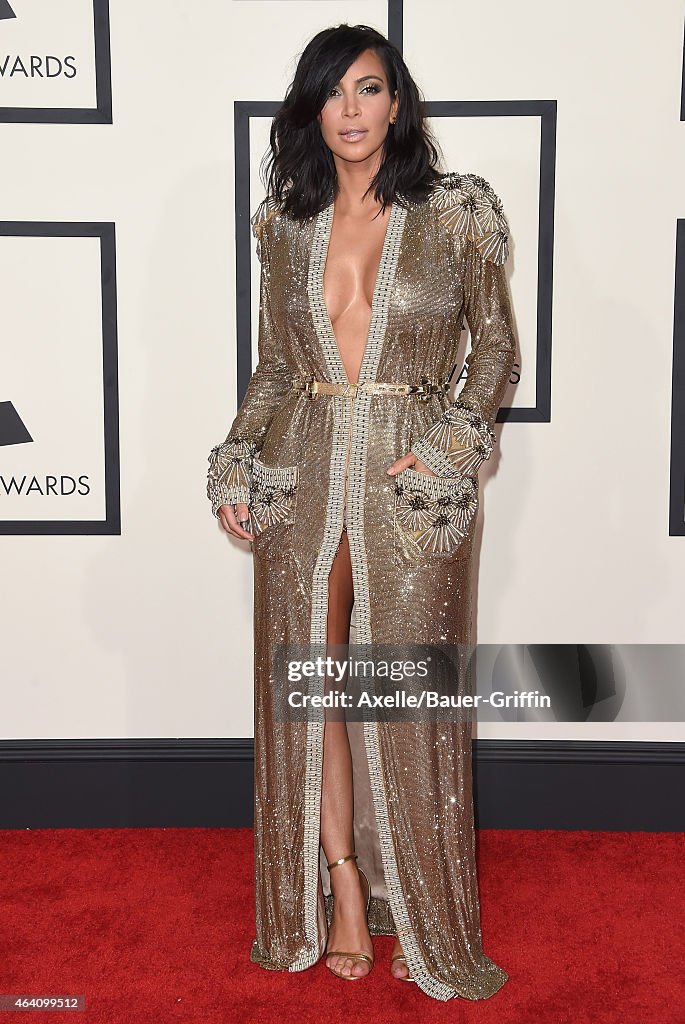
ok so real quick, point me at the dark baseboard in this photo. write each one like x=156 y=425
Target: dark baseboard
x=207 y=783
x=601 y=786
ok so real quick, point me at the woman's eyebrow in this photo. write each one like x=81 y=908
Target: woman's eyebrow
x=366 y=78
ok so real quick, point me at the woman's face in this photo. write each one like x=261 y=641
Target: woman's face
x=355 y=117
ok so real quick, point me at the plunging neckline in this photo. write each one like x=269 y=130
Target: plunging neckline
x=381 y=290
x=329 y=232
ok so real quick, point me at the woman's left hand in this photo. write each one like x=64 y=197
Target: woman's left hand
x=409 y=460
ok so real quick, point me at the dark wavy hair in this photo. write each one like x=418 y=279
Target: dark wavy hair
x=299 y=171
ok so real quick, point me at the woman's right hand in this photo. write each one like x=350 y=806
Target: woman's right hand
x=229 y=520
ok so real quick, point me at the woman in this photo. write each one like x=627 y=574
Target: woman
x=362 y=502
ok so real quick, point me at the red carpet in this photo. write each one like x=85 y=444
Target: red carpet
x=156 y=925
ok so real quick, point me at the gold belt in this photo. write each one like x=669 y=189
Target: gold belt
x=323 y=387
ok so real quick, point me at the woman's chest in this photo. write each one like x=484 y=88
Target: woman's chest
x=353 y=259
x=415 y=278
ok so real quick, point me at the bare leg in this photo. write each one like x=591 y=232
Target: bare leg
x=349 y=930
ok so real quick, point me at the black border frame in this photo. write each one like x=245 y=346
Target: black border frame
x=677 y=461
x=105 y=231
x=546 y=110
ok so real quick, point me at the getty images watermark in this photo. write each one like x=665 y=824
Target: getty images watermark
x=387 y=682
x=459 y=682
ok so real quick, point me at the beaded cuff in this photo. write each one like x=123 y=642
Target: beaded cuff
x=434 y=458
x=461 y=439
x=229 y=477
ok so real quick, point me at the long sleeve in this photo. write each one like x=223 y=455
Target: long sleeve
x=229 y=477
x=464 y=437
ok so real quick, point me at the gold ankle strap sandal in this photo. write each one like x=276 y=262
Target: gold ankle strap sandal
x=338 y=952
x=404 y=977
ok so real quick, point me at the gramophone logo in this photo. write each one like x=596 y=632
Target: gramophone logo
x=49 y=482
x=12 y=428
x=57 y=72
x=34 y=65
x=20 y=484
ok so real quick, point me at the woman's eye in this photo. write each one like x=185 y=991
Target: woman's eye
x=367 y=88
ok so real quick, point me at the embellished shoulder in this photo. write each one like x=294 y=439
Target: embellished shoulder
x=265 y=212
x=468 y=205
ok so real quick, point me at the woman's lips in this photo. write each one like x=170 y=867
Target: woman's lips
x=353 y=134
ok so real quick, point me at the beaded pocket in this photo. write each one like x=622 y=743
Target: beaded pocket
x=273 y=495
x=434 y=514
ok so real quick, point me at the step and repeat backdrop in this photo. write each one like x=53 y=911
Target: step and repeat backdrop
x=132 y=139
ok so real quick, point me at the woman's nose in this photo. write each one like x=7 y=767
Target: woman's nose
x=351 y=105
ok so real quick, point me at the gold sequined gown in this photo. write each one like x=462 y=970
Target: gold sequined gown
x=307 y=465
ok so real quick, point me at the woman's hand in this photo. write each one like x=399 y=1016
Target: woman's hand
x=409 y=460
x=229 y=520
